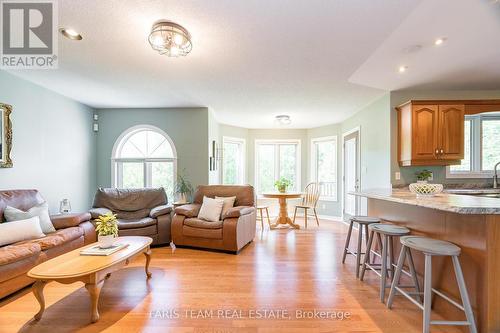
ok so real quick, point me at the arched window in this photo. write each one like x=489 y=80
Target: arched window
x=144 y=156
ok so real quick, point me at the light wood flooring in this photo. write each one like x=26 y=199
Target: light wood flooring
x=287 y=270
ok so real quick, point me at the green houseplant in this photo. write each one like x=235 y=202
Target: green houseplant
x=423 y=176
x=107 y=229
x=282 y=184
x=183 y=188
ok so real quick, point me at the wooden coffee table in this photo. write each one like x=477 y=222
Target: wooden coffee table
x=91 y=270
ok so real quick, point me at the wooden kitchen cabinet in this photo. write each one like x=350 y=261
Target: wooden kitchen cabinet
x=430 y=134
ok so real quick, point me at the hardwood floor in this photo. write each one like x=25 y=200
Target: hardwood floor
x=291 y=270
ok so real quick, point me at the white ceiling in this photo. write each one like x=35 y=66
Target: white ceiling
x=318 y=61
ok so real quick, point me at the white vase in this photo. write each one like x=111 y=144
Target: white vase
x=182 y=197
x=106 y=241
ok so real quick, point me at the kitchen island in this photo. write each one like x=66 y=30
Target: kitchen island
x=471 y=222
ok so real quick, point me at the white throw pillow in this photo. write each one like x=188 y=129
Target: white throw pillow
x=211 y=209
x=228 y=204
x=16 y=231
x=41 y=210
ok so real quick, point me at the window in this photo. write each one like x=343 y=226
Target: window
x=144 y=156
x=481 y=148
x=324 y=166
x=276 y=159
x=233 y=161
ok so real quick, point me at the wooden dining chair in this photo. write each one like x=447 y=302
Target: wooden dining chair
x=309 y=201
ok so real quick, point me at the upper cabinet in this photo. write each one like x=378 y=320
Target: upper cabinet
x=430 y=134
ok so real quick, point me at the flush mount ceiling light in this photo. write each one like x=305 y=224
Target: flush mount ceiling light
x=169 y=38
x=70 y=34
x=402 y=69
x=283 y=119
x=439 y=41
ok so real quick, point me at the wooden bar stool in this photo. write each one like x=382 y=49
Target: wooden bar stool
x=363 y=222
x=260 y=209
x=387 y=232
x=433 y=247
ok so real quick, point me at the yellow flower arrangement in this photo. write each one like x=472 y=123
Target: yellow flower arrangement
x=107 y=225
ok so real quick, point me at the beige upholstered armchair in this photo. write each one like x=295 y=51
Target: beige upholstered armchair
x=232 y=233
x=140 y=212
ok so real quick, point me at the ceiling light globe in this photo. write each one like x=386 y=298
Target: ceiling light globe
x=178 y=39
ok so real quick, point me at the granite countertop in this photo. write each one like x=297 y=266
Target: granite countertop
x=461 y=204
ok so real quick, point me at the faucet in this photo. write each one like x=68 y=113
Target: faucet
x=495 y=177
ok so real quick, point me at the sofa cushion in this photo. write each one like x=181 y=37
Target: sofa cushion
x=57 y=238
x=130 y=200
x=160 y=210
x=201 y=233
x=16 y=252
x=211 y=209
x=21 y=199
x=136 y=223
x=202 y=224
x=228 y=204
x=41 y=210
x=12 y=232
x=245 y=194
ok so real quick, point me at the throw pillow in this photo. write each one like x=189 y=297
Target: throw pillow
x=41 y=210
x=228 y=204
x=210 y=209
x=16 y=231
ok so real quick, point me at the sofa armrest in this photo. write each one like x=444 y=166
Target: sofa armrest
x=69 y=220
x=160 y=210
x=189 y=210
x=96 y=212
x=238 y=211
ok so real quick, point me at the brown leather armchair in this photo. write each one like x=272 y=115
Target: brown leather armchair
x=232 y=233
x=140 y=212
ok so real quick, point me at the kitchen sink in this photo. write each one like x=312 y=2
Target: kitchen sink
x=481 y=192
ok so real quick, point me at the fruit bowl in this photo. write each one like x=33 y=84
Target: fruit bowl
x=425 y=189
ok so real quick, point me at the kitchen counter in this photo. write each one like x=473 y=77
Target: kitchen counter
x=455 y=203
x=472 y=223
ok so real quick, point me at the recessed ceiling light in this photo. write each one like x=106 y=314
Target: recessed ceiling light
x=402 y=69
x=439 y=41
x=70 y=34
x=283 y=119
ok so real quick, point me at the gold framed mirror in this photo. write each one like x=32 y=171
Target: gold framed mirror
x=5 y=136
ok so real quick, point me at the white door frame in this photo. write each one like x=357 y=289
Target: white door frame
x=358 y=147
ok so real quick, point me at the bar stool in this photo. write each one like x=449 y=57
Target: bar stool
x=433 y=247
x=260 y=209
x=363 y=222
x=387 y=232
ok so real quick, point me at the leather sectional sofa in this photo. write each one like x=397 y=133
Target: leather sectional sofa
x=140 y=212
x=72 y=231
x=232 y=233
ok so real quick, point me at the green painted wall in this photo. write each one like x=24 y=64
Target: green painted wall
x=187 y=127
x=439 y=172
x=53 y=144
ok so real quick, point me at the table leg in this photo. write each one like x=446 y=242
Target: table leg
x=94 y=290
x=147 y=253
x=283 y=216
x=38 y=292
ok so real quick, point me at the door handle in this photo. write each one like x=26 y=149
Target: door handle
x=442 y=151
x=437 y=151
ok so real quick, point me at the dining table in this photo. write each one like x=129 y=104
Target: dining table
x=283 y=218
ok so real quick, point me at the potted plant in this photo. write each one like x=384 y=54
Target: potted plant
x=423 y=176
x=107 y=230
x=183 y=188
x=282 y=184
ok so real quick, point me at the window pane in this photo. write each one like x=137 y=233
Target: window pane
x=231 y=162
x=288 y=164
x=490 y=143
x=162 y=175
x=466 y=162
x=326 y=162
x=266 y=167
x=133 y=175
x=139 y=140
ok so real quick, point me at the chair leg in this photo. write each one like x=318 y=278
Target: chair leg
x=427 y=294
x=347 y=241
x=316 y=216
x=390 y=249
x=295 y=214
x=261 y=219
x=366 y=234
x=379 y=242
x=358 y=249
x=268 y=219
x=305 y=217
x=383 y=268
x=397 y=275
x=367 y=256
x=413 y=273
x=464 y=295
